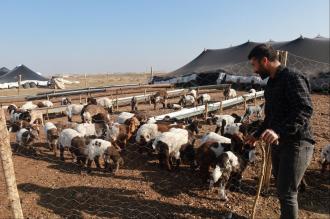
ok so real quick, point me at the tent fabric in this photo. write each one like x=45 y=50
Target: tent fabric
x=303 y=53
x=26 y=75
x=3 y=71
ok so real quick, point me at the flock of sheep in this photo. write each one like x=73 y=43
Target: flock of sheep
x=220 y=156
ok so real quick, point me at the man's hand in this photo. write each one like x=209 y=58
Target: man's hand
x=250 y=140
x=269 y=136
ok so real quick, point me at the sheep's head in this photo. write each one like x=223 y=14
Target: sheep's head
x=194 y=126
x=325 y=154
x=34 y=132
x=11 y=108
x=133 y=125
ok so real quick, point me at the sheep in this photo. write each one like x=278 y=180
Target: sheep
x=16 y=115
x=230 y=129
x=73 y=109
x=65 y=125
x=187 y=100
x=174 y=106
x=122 y=117
x=28 y=106
x=325 y=158
x=99 y=147
x=12 y=108
x=26 y=137
x=36 y=115
x=91 y=110
x=134 y=103
x=231 y=164
x=230 y=119
x=229 y=93
x=88 y=129
x=52 y=136
x=211 y=136
x=120 y=134
x=168 y=144
x=45 y=103
x=206 y=155
x=106 y=103
x=65 y=101
x=193 y=93
x=253 y=110
x=17 y=125
x=91 y=101
x=204 y=98
x=252 y=91
x=65 y=139
x=159 y=97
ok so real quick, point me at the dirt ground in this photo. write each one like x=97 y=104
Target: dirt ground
x=50 y=188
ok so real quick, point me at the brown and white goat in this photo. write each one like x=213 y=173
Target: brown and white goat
x=52 y=136
x=89 y=111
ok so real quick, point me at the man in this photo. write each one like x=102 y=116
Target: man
x=286 y=127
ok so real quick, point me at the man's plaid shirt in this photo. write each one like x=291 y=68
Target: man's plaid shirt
x=288 y=107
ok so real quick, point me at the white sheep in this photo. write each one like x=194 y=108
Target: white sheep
x=73 y=109
x=105 y=102
x=88 y=129
x=204 y=98
x=45 y=103
x=52 y=135
x=168 y=144
x=146 y=133
x=28 y=106
x=187 y=100
x=193 y=93
x=229 y=93
x=124 y=116
x=231 y=129
x=212 y=136
x=99 y=147
x=229 y=119
x=65 y=139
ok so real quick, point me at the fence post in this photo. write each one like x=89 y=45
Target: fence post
x=206 y=109
x=8 y=169
x=255 y=99
x=117 y=100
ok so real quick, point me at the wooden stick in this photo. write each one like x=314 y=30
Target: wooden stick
x=8 y=169
x=261 y=177
x=268 y=170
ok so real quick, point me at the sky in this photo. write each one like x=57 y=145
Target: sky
x=105 y=36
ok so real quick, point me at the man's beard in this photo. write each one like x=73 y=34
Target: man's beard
x=263 y=73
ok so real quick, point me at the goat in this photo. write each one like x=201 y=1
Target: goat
x=134 y=103
x=91 y=130
x=174 y=106
x=123 y=117
x=187 y=100
x=91 y=110
x=211 y=136
x=35 y=116
x=65 y=125
x=230 y=119
x=65 y=140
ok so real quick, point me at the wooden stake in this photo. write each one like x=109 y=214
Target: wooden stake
x=8 y=169
x=268 y=170
x=206 y=110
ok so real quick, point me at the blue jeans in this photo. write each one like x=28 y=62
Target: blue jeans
x=290 y=160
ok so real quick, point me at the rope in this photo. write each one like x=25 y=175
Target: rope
x=261 y=178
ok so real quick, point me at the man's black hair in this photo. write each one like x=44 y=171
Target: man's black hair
x=263 y=50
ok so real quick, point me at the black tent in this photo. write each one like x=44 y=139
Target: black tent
x=307 y=55
x=3 y=71
x=25 y=72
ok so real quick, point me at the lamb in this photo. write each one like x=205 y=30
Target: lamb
x=174 y=106
x=204 y=98
x=230 y=119
x=36 y=115
x=106 y=103
x=65 y=140
x=92 y=130
x=52 y=136
x=28 y=106
x=65 y=101
x=91 y=110
x=168 y=144
x=45 y=103
x=229 y=93
x=325 y=158
x=73 y=109
x=120 y=134
x=99 y=147
x=26 y=137
x=134 y=104
x=211 y=136
x=207 y=154
x=159 y=97
x=253 y=110
x=187 y=100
